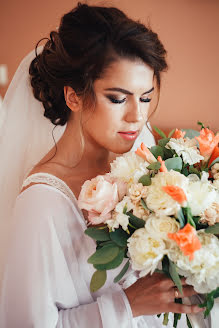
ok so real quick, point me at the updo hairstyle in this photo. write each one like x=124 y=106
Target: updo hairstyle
x=88 y=40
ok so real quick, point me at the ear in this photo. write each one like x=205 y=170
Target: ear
x=71 y=99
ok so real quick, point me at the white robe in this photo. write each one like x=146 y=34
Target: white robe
x=46 y=278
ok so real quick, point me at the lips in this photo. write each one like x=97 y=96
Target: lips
x=128 y=135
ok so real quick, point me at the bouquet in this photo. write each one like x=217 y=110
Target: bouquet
x=158 y=208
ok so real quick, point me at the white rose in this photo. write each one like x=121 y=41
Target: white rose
x=129 y=167
x=118 y=219
x=158 y=200
x=145 y=252
x=161 y=226
x=200 y=196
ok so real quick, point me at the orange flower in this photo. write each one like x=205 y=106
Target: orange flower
x=178 y=134
x=176 y=193
x=163 y=166
x=145 y=153
x=187 y=240
x=214 y=155
x=207 y=142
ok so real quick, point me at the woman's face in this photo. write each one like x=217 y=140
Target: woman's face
x=123 y=97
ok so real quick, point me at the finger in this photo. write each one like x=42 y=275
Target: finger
x=187 y=291
x=182 y=308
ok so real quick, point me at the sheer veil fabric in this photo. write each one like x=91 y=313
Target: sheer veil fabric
x=25 y=138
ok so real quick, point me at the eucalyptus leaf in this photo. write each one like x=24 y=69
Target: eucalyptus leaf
x=98 y=234
x=157 y=151
x=191 y=133
x=135 y=221
x=113 y=264
x=119 y=236
x=214 y=162
x=174 y=163
x=163 y=142
x=160 y=132
x=168 y=153
x=98 y=280
x=122 y=272
x=145 y=180
x=189 y=216
x=104 y=255
x=154 y=166
x=175 y=276
x=181 y=218
x=213 y=229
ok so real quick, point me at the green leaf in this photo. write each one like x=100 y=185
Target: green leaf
x=157 y=151
x=174 y=275
x=214 y=162
x=181 y=218
x=171 y=133
x=216 y=293
x=165 y=319
x=202 y=125
x=163 y=142
x=104 y=255
x=113 y=264
x=185 y=171
x=145 y=180
x=193 y=170
x=213 y=229
x=165 y=266
x=135 y=221
x=187 y=211
x=144 y=205
x=174 y=163
x=122 y=272
x=160 y=132
x=188 y=322
x=190 y=133
x=98 y=234
x=119 y=236
x=154 y=166
x=97 y=281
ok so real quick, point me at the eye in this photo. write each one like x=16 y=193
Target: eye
x=145 y=99
x=115 y=100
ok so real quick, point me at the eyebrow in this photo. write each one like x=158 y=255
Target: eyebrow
x=126 y=91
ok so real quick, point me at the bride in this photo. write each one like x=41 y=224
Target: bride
x=95 y=77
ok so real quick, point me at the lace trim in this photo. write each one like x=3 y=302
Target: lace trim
x=51 y=180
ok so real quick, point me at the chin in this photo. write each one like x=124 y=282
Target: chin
x=122 y=149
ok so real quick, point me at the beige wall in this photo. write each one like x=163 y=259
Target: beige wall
x=189 y=30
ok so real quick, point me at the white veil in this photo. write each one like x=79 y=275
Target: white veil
x=25 y=138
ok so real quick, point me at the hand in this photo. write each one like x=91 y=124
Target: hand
x=155 y=294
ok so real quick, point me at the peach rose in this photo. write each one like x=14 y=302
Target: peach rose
x=145 y=153
x=176 y=193
x=207 y=142
x=163 y=166
x=178 y=134
x=99 y=197
x=187 y=240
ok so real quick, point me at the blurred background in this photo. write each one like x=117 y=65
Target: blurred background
x=189 y=30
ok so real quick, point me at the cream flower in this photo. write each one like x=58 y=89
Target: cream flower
x=145 y=252
x=129 y=167
x=211 y=214
x=216 y=184
x=201 y=195
x=215 y=171
x=140 y=211
x=158 y=200
x=186 y=148
x=202 y=271
x=118 y=217
x=161 y=226
x=137 y=191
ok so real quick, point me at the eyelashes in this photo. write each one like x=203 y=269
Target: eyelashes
x=117 y=101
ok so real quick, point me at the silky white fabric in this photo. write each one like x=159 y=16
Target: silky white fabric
x=46 y=278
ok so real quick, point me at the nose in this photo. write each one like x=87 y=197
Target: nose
x=134 y=112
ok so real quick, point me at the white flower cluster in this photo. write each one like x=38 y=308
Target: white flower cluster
x=202 y=271
x=187 y=148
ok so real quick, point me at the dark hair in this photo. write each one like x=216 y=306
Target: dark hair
x=88 y=40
